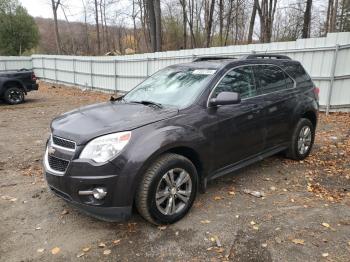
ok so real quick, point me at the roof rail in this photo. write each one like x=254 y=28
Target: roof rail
x=210 y=58
x=270 y=56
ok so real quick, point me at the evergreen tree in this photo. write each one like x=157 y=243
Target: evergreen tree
x=18 y=30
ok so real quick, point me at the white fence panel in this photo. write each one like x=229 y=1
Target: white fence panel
x=325 y=58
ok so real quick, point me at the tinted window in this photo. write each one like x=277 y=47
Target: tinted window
x=240 y=80
x=271 y=79
x=299 y=74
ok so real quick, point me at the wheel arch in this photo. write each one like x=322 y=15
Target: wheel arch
x=312 y=116
x=10 y=83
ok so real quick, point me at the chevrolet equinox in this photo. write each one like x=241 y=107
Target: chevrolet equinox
x=157 y=146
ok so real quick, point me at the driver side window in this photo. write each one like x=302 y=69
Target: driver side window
x=240 y=80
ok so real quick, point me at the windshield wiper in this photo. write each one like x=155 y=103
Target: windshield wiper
x=148 y=103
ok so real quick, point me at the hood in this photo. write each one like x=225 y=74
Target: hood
x=86 y=123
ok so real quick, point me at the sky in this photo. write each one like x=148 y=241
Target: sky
x=42 y=8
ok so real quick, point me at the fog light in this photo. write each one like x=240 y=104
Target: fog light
x=99 y=192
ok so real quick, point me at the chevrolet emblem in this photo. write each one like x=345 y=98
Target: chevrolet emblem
x=51 y=150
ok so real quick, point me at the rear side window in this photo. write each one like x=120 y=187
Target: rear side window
x=299 y=74
x=239 y=80
x=272 y=78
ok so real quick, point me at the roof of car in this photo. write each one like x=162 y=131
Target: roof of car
x=216 y=62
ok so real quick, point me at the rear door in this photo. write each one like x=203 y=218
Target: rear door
x=279 y=93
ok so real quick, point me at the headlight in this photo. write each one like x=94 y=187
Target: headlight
x=104 y=148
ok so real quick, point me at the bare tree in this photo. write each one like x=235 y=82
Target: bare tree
x=266 y=10
x=158 y=19
x=184 y=22
x=86 y=28
x=97 y=28
x=221 y=20
x=251 y=24
x=55 y=4
x=209 y=11
x=334 y=16
x=151 y=24
x=307 y=19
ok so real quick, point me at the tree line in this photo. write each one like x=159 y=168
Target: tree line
x=138 y=26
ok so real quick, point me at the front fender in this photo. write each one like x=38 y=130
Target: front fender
x=147 y=144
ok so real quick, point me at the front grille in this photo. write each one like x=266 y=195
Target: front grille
x=57 y=163
x=63 y=142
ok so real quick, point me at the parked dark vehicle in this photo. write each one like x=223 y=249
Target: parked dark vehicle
x=14 y=85
x=155 y=147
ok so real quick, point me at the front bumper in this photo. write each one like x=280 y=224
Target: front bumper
x=109 y=214
x=83 y=175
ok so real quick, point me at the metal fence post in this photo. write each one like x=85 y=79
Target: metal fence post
x=115 y=76
x=91 y=76
x=5 y=65
x=74 y=67
x=147 y=67
x=330 y=89
x=43 y=66
x=55 y=62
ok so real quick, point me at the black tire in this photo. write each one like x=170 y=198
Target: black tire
x=14 y=95
x=145 y=199
x=294 y=151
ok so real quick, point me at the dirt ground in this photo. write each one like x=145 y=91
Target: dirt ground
x=304 y=215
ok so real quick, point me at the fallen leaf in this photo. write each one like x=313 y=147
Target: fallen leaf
x=264 y=245
x=220 y=250
x=298 y=241
x=107 y=252
x=102 y=245
x=116 y=242
x=326 y=225
x=81 y=254
x=64 y=212
x=40 y=250
x=217 y=241
x=55 y=250
x=86 y=249
x=325 y=254
x=232 y=193
x=256 y=227
x=218 y=198
x=162 y=227
x=252 y=223
x=38 y=228
x=254 y=193
x=273 y=188
x=205 y=221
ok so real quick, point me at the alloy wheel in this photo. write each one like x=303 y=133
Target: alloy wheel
x=173 y=191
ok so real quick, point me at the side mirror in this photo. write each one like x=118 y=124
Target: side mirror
x=225 y=98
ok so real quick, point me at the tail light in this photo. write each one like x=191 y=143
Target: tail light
x=317 y=92
x=34 y=77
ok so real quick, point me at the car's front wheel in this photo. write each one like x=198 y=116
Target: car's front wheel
x=167 y=190
x=302 y=140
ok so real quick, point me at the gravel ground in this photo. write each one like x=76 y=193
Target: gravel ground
x=304 y=215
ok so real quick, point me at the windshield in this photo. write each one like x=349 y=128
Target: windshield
x=171 y=86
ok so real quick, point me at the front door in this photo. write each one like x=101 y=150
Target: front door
x=235 y=131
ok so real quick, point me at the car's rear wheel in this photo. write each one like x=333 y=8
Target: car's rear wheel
x=14 y=95
x=302 y=140
x=167 y=190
